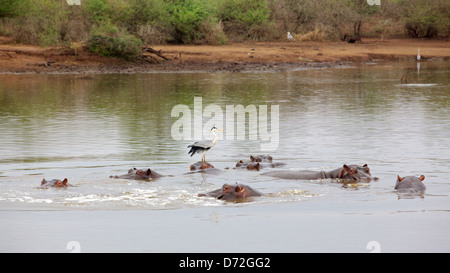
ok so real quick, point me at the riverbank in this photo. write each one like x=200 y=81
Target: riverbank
x=254 y=56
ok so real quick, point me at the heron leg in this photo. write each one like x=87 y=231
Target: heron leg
x=204 y=166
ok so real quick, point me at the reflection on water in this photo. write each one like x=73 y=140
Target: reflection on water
x=88 y=127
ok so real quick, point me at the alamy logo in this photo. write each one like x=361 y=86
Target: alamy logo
x=374 y=2
x=190 y=125
x=73 y=2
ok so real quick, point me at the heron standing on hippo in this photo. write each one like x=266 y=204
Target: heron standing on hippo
x=203 y=146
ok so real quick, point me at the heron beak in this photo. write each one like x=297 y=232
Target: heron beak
x=223 y=131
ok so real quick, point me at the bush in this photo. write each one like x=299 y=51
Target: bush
x=95 y=9
x=50 y=22
x=425 y=19
x=186 y=18
x=9 y=8
x=212 y=33
x=150 y=21
x=246 y=18
x=107 y=40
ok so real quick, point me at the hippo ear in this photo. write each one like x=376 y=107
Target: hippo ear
x=65 y=182
x=239 y=189
x=422 y=177
x=399 y=178
x=257 y=166
x=344 y=171
x=148 y=172
x=252 y=158
x=43 y=181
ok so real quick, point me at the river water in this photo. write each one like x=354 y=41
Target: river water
x=88 y=127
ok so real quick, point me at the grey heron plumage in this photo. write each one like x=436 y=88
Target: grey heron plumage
x=203 y=146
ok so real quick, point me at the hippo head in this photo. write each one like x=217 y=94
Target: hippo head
x=253 y=166
x=140 y=174
x=54 y=183
x=410 y=182
x=233 y=192
x=261 y=158
x=60 y=184
x=356 y=173
x=400 y=179
x=144 y=174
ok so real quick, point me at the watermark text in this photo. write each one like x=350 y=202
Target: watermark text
x=190 y=124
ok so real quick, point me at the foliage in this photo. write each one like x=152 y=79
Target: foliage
x=423 y=20
x=54 y=22
x=108 y=40
x=9 y=8
x=244 y=17
x=186 y=18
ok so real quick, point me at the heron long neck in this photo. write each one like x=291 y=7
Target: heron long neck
x=215 y=139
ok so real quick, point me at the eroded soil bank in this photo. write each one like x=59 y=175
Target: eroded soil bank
x=255 y=56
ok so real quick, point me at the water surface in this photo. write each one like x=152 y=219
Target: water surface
x=88 y=127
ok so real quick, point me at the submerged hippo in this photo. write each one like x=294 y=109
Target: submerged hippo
x=139 y=174
x=410 y=184
x=261 y=158
x=232 y=192
x=199 y=166
x=346 y=172
x=54 y=183
x=257 y=165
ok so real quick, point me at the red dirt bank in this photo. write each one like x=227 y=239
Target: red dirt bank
x=235 y=57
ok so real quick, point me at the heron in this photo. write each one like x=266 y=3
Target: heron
x=289 y=36
x=418 y=54
x=204 y=145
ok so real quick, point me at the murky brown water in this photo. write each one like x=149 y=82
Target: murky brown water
x=88 y=127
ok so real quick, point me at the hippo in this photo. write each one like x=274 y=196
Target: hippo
x=257 y=165
x=232 y=192
x=139 y=174
x=261 y=158
x=258 y=162
x=410 y=184
x=206 y=171
x=346 y=172
x=56 y=183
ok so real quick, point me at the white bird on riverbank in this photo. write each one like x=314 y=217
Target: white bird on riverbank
x=289 y=36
